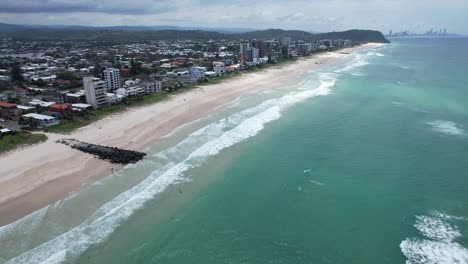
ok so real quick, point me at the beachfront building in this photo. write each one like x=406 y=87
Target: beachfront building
x=113 y=98
x=219 y=67
x=112 y=78
x=198 y=72
x=244 y=46
x=304 y=48
x=182 y=76
x=95 y=92
x=265 y=47
x=42 y=120
x=253 y=54
x=153 y=87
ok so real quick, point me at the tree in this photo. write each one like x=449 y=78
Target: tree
x=135 y=67
x=16 y=74
x=118 y=65
x=32 y=123
x=14 y=100
x=66 y=76
x=97 y=70
x=40 y=83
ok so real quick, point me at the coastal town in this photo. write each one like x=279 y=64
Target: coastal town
x=58 y=86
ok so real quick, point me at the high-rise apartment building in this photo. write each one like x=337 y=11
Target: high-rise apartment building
x=112 y=78
x=95 y=92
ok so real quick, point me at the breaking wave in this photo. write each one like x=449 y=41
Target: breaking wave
x=447 y=127
x=190 y=153
x=439 y=246
x=358 y=61
x=373 y=53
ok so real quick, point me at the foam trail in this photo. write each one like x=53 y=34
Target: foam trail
x=446 y=127
x=436 y=228
x=440 y=247
x=103 y=222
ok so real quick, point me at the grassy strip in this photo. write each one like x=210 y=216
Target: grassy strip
x=10 y=142
x=68 y=126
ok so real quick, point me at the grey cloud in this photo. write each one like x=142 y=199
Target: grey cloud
x=128 y=7
x=315 y=15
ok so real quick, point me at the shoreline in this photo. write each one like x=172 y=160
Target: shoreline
x=38 y=175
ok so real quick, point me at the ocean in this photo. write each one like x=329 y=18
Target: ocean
x=363 y=161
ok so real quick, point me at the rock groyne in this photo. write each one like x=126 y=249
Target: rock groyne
x=112 y=154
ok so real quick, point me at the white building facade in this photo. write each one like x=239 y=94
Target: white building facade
x=198 y=72
x=95 y=92
x=112 y=78
x=219 y=67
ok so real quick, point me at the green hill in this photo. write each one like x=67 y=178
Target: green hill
x=18 y=32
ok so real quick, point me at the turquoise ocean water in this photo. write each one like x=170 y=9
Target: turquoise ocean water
x=365 y=161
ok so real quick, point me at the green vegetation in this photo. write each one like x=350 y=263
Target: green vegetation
x=354 y=35
x=16 y=74
x=134 y=36
x=67 y=126
x=66 y=76
x=10 y=142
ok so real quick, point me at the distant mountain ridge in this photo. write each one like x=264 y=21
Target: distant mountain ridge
x=135 y=33
x=4 y=27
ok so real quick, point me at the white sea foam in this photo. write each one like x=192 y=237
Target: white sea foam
x=419 y=251
x=446 y=127
x=358 y=74
x=209 y=141
x=373 y=53
x=440 y=246
x=436 y=228
x=448 y=217
x=358 y=61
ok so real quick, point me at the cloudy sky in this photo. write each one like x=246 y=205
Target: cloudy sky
x=311 y=15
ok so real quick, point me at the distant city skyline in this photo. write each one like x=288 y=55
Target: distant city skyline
x=322 y=16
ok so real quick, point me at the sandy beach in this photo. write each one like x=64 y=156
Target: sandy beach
x=38 y=175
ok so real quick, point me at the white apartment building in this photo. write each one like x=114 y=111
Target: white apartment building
x=219 y=67
x=153 y=87
x=244 y=46
x=95 y=92
x=198 y=72
x=112 y=78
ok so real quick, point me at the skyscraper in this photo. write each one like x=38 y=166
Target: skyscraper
x=265 y=47
x=112 y=78
x=244 y=46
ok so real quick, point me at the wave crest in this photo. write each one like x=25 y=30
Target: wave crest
x=440 y=246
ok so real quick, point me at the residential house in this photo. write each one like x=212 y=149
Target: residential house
x=42 y=120
x=9 y=111
x=63 y=109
